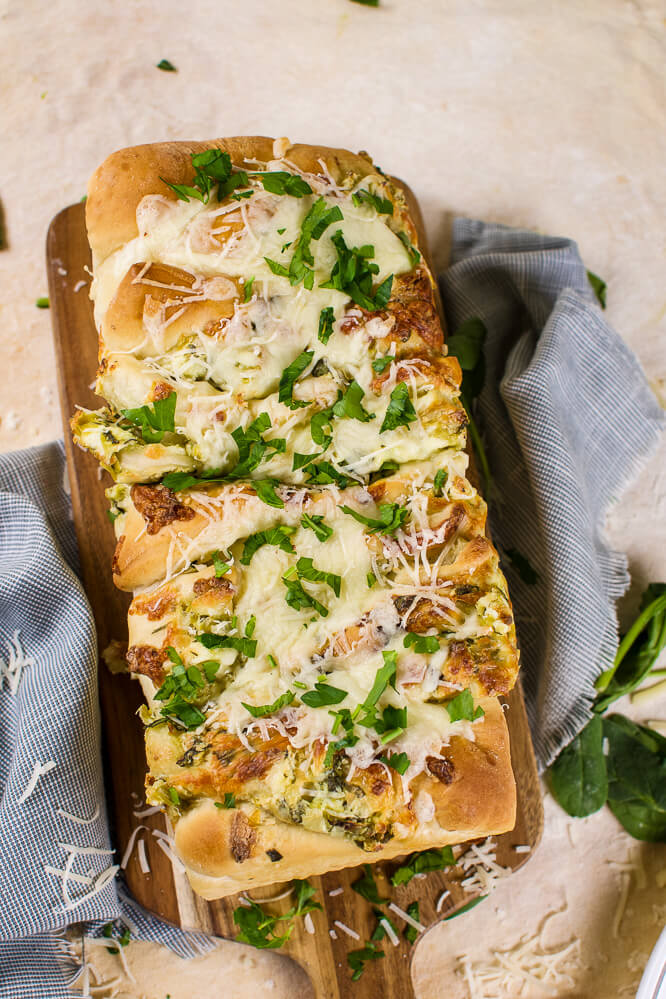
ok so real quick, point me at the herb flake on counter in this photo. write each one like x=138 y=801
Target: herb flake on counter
x=366 y=887
x=167 y=66
x=43 y=303
x=258 y=927
x=357 y=959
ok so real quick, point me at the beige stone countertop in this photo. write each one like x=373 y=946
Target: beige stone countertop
x=549 y=116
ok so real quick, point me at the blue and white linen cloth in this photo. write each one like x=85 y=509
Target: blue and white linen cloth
x=567 y=417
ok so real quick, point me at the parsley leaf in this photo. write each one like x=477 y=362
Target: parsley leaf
x=320 y=427
x=349 y=405
x=353 y=275
x=43 y=302
x=392 y=517
x=344 y=720
x=371 y=579
x=281 y=182
x=599 y=287
x=324 y=473
x=422 y=863
x=260 y=710
x=400 y=411
x=367 y=888
x=278 y=536
x=155 y=420
x=357 y=959
x=288 y=378
x=383 y=206
x=461 y=707
x=180 y=688
x=221 y=567
x=320 y=216
x=380 y=364
x=441 y=478
x=265 y=490
x=297 y=597
x=421 y=643
x=411 y=932
x=323 y=694
x=252 y=448
x=212 y=167
x=257 y=927
x=326 y=320
x=412 y=252
x=306 y=570
x=315 y=522
x=397 y=761
x=247 y=290
x=167 y=66
x=229 y=801
x=246 y=646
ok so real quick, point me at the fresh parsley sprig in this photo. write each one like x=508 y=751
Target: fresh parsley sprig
x=422 y=863
x=392 y=517
x=258 y=927
x=154 y=420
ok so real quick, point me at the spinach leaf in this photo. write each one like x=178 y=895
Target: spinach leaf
x=578 y=777
x=638 y=651
x=636 y=778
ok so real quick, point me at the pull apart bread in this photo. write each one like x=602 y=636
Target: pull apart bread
x=319 y=621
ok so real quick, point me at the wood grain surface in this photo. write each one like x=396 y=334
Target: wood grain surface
x=165 y=891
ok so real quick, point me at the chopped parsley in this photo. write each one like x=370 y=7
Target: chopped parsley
x=306 y=570
x=247 y=291
x=422 y=863
x=353 y=275
x=323 y=695
x=167 y=66
x=258 y=927
x=412 y=252
x=349 y=405
x=277 y=536
x=383 y=206
x=281 y=182
x=181 y=687
x=260 y=710
x=323 y=473
x=461 y=707
x=357 y=959
x=400 y=411
x=252 y=448
x=221 y=567
x=212 y=168
x=421 y=643
x=154 y=421
x=441 y=478
x=43 y=303
x=397 y=761
x=380 y=364
x=367 y=888
x=246 y=646
x=265 y=490
x=371 y=579
x=326 y=320
x=315 y=522
x=229 y=801
x=297 y=597
x=288 y=379
x=411 y=932
x=392 y=517
x=320 y=427
x=320 y=216
x=342 y=719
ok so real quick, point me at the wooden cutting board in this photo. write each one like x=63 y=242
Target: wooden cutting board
x=165 y=891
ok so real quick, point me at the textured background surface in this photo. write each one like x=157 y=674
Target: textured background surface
x=546 y=117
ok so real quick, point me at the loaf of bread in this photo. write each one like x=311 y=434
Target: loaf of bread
x=319 y=622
